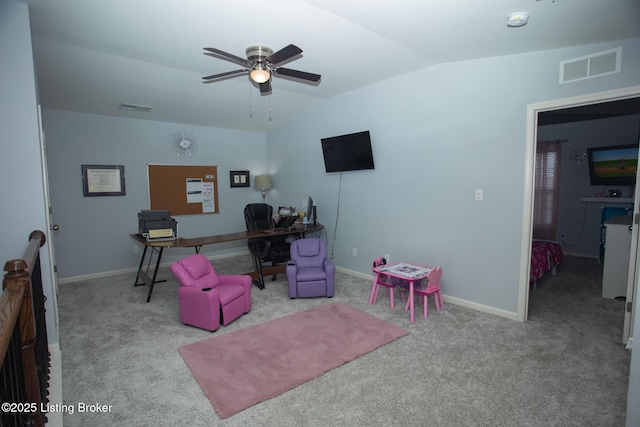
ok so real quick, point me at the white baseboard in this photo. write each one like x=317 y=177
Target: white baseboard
x=453 y=300
x=133 y=270
x=54 y=419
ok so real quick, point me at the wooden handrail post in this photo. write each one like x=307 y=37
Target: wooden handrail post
x=18 y=274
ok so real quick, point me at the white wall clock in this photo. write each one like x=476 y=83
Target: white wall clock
x=184 y=143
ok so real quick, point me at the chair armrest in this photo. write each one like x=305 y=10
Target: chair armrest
x=212 y=294
x=235 y=279
x=329 y=266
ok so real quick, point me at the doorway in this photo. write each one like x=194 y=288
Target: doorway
x=582 y=104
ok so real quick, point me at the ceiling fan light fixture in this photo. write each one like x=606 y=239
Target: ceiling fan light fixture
x=259 y=74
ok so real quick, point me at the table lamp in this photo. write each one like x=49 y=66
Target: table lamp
x=263 y=182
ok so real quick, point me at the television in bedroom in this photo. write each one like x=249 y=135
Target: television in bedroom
x=614 y=165
x=348 y=152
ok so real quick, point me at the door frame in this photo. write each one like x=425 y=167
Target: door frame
x=49 y=224
x=529 y=178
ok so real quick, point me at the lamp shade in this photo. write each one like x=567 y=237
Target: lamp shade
x=263 y=182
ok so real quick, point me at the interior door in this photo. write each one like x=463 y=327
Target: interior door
x=51 y=226
x=634 y=267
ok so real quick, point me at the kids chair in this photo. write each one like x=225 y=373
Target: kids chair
x=388 y=282
x=309 y=272
x=431 y=286
x=206 y=297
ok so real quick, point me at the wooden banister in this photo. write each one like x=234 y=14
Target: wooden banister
x=23 y=276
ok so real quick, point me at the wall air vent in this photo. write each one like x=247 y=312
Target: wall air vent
x=594 y=65
x=135 y=107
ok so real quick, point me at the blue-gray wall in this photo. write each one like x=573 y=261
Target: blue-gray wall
x=94 y=231
x=437 y=135
x=21 y=183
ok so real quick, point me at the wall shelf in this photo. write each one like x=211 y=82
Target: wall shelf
x=607 y=199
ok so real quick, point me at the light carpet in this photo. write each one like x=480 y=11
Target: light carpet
x=239 y=369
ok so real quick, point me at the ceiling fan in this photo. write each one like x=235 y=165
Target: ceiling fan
x=261 y=64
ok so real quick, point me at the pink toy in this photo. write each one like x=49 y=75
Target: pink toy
x=431 y=286
x=385 y=281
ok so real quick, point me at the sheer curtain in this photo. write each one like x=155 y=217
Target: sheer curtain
x=547 y=189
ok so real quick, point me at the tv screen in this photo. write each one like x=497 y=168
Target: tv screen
x=347 y=152
x=615 y=165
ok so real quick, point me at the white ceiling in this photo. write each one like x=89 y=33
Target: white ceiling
x=91 y=56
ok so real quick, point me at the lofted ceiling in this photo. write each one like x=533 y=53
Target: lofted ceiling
x=92 y=56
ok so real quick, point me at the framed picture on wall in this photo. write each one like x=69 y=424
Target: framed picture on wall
x=103 y=180
x=239 y=178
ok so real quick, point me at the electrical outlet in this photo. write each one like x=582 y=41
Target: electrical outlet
x=354 y=251
x=135 y=249
x=479 y=194
x=387 y=257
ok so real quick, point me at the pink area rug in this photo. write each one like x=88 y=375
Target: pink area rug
x=241 y=368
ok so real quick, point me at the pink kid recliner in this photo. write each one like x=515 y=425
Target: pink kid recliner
x=207 y=298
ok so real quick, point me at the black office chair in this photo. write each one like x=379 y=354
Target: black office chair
x=274 y=249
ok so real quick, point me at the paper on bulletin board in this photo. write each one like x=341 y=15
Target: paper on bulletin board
x=194 y=190
x=208 y=201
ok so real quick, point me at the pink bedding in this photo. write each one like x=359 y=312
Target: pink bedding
x=545 y=255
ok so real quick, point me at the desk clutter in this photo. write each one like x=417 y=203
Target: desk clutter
x=157 y=225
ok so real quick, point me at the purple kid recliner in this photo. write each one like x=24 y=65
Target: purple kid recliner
x=309 y=272
x=206 y=297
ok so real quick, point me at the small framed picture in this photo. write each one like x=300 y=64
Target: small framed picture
x=103 y=180
x=239 y=178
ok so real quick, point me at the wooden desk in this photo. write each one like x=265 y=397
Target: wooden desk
x=157 y=248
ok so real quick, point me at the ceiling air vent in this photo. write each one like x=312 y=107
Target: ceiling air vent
x=135 y=107
x=594 y=65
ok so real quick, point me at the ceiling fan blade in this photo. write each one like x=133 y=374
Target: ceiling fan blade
x=283 y=54
x=303 y=75
x=265 y=88
x=227 y=74
x=217 y=53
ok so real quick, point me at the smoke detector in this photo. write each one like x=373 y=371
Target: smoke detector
x=517 y=19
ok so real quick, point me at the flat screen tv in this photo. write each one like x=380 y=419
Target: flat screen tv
x=614 y=165
x=347 y=152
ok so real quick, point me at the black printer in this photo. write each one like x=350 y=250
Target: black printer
x=155 y=224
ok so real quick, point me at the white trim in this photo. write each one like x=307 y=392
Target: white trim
x=54 y=418
x=530 y=146
x=453 y=300
x=133 y=270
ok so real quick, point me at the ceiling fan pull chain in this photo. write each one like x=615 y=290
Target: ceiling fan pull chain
x=250 y=102
x=270 y=107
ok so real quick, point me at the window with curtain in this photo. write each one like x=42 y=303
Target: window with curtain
x=547 y=189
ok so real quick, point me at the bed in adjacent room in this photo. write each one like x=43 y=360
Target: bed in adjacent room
x=545 y=256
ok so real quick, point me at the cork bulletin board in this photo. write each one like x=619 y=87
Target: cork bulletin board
x=183 y=190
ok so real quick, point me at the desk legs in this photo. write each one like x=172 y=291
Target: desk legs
x=257 y=265
x=143 y=275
